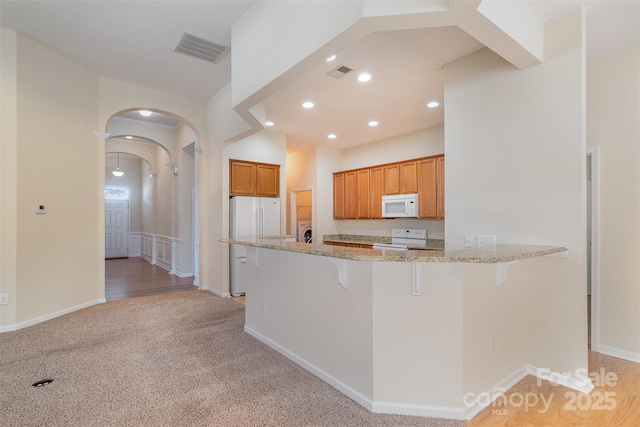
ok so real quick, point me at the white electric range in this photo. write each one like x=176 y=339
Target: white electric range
x=405 y=238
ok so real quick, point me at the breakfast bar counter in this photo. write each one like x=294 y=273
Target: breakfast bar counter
x=502 y=253
x=417 y=332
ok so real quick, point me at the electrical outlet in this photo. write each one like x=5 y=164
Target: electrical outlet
x=469 y=241
x=4 y=299
x=492 y=345
x=264 y=306
x=486 y=241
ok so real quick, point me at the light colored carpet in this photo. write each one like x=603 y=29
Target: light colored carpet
x=179 y=359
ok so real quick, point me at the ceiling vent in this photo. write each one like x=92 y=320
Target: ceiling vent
x=200 y=48
x=341 y=71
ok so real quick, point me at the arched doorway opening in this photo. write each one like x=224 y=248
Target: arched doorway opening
x=159 y=158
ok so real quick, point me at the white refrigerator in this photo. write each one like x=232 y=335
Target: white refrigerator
x=249 y=217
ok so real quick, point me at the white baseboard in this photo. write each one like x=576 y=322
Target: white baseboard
x=490 y=395
x=50 y=316
x=620 y=354
x=184 y=274
x=584 y=386
x=215 y=291
x=378 y=407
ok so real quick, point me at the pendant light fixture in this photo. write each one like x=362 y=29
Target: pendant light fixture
x=118 y=172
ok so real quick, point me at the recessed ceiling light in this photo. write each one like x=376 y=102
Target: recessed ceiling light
x=331 y=136
x=145 y=113
x=373 y=123
x=129 y=137
x=308 y=104
x=331 y=58
x=269 y=123
x=364 y=77
x=433 y=104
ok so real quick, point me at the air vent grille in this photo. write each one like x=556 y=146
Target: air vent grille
x=200 y=48
x=340 y=71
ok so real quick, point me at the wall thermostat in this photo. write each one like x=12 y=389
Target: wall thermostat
x=41 y=209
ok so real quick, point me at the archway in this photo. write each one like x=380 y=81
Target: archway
x=169 y=187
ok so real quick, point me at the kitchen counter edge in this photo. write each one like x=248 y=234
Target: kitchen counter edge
x=502 y=253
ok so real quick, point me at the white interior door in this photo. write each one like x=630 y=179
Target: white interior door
x=116 y=221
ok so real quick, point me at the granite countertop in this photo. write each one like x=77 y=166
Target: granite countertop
x=432 y=244
x=503 y=253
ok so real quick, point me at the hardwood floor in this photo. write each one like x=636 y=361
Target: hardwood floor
x=135 y=277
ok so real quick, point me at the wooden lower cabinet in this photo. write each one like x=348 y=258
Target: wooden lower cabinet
x=350 y=245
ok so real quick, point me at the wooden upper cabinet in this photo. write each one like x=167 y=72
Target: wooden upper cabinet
x=440 y=184
x=391 y=180
x=409 y=177
x=427 y=188
x=267 y=180
x=253 y=179
x=350 y=195
x=363 y=194
x=242 y=178
x=376 y=191
x=357 y=194
x=338 y=195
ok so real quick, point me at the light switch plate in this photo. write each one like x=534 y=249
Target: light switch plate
x=469 y=241
x=41 y=209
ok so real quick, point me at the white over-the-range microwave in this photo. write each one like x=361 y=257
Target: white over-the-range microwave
x=400 y=206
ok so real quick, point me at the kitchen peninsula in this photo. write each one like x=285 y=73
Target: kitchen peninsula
x=412 y=332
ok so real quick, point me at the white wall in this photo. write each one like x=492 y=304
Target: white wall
x=8 y=175
x=58 y=255
x=254 y=62
x=426 y=142
x=515 y=150
x=613 y=108
x=266 y=147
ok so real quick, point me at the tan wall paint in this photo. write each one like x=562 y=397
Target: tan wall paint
x=8 y=175
x=613 y=108
x=58 y=253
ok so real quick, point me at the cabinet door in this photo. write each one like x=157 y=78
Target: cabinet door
x=376 y=185
x=350 y=195
x=364 y=204
x=242 y=178
x=338 y=196
x=427 y=188
x=440 y=184
x=391 y=180
x=267 y=180
x=409 y=177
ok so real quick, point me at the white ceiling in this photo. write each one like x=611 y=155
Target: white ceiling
x=134 y=41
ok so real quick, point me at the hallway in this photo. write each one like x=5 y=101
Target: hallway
x=136 y=277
